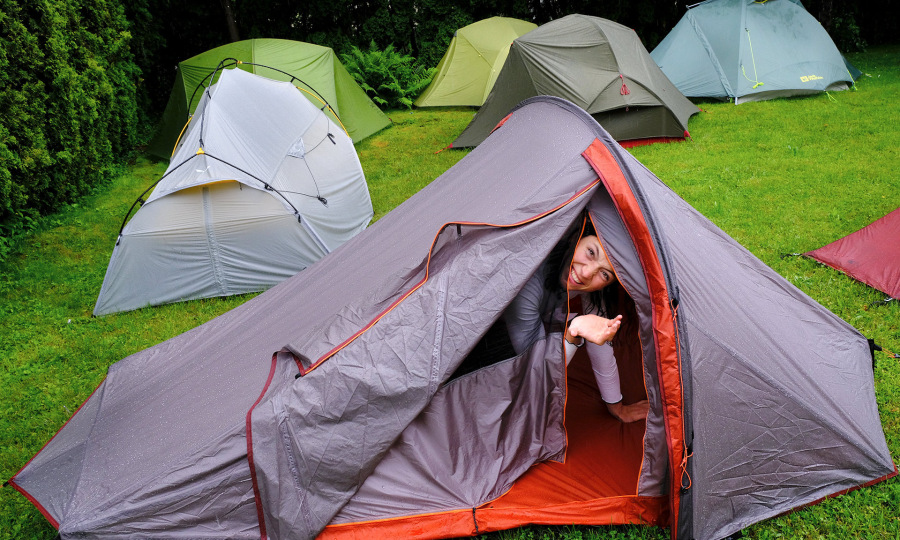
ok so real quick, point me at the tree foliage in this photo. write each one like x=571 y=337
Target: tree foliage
x=166 y=32
x=67 y=92
x=176 y=30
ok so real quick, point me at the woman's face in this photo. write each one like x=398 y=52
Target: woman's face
x=590 y=269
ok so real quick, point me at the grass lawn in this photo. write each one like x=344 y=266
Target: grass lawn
x=781 y=176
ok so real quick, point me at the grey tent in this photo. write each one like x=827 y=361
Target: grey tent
x=368 y=420
x=748 y=51
x=262 y=185
x=599 y=65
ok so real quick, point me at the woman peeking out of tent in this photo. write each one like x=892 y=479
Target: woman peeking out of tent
x=576 y=272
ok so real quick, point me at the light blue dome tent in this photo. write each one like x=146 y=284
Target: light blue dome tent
x=748 y=50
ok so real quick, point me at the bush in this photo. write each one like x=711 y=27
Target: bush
x=393 y=80
x=67 y=92
x=846 y=34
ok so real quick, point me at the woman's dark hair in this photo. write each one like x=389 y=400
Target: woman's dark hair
x=604 y=301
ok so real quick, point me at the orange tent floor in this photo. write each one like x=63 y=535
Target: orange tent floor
x=597 y=484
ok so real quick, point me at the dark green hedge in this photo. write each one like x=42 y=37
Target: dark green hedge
x=68 y=109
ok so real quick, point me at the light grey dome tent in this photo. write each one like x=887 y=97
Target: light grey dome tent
x=748 y=50
x=354 y=400
x=262 y=185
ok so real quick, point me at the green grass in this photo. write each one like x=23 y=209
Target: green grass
x=781 y=176
x=403 y=159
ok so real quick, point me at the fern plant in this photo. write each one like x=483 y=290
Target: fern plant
x=392 y=79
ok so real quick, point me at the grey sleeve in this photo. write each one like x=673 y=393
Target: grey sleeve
x=523 y=315
x=606 y=372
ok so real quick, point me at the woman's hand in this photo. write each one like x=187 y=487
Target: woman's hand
x=629 y=413
x=593 y=328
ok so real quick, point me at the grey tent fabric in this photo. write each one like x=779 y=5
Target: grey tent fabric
x=270 y=420
x=599 y=65
x=262 y=185
x=529 y=386
x=749 y=51
x=765 y=366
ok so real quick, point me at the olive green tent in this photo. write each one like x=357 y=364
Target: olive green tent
x=314 y=69
x=466 y=73
x=599 y=65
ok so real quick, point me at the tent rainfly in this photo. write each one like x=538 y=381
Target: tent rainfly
x=466 y=73
x=316 y=70
x=749 y=51
x=599 y=65
x=369 y=421
x=870 y=255
x=263 y=185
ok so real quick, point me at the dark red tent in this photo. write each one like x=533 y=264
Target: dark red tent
x=870 y=255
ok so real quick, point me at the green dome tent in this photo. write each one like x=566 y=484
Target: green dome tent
x=323 y=78
x=469 y=68
x=750 y=51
